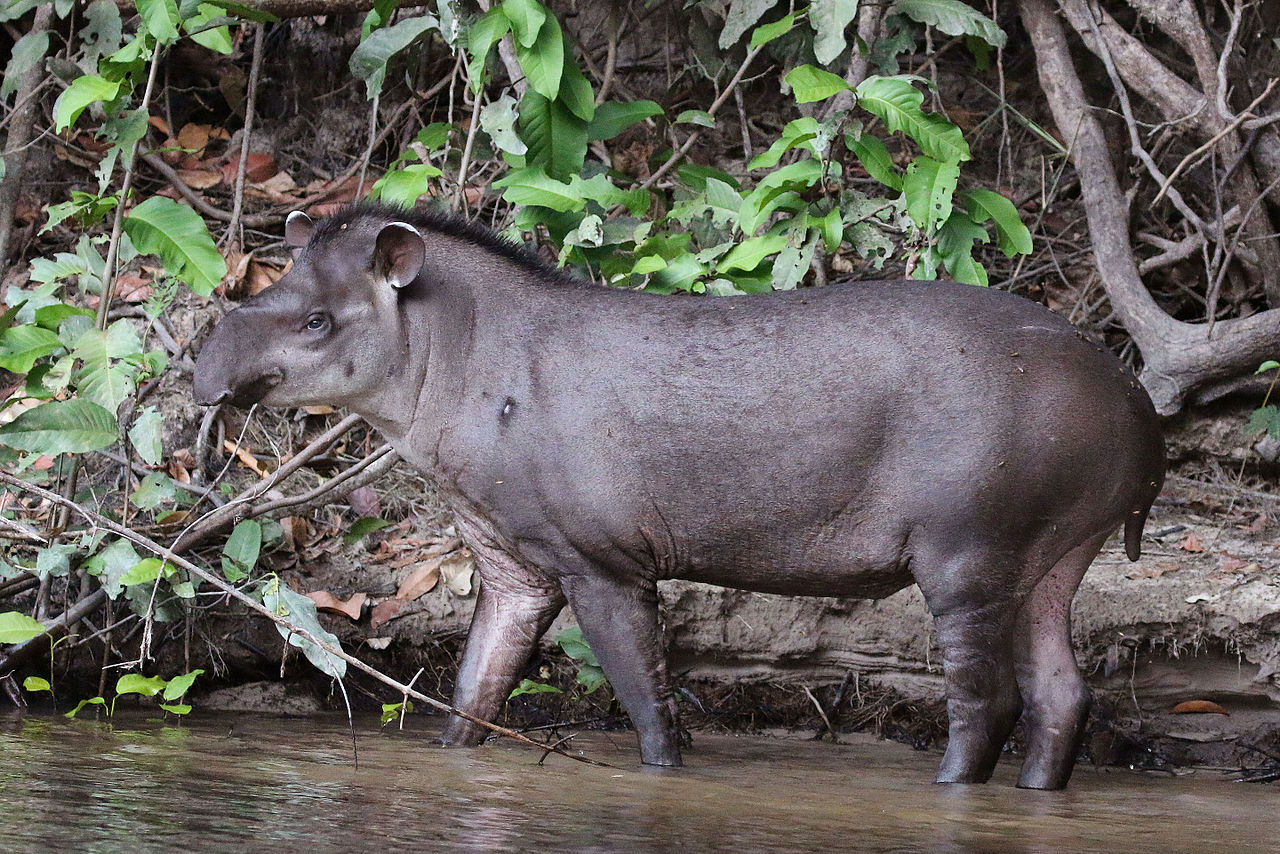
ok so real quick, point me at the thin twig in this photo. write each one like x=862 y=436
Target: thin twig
x=252 y=99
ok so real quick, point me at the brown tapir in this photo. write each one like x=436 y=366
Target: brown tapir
x=840 y=441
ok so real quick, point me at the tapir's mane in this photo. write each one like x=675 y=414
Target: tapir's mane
x=438 y=222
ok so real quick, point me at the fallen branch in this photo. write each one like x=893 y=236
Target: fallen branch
x=99 y=521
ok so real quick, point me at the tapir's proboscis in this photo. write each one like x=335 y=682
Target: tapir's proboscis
x=847 y=440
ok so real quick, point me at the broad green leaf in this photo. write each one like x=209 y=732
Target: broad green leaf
x=363 y=527
x=240 y=554
x=799 y=133
x=575 y=90
x=245 y=11
x=543 y=62
x=27 y=52
x=526 y=17
x=208 y=28
x=61 y=427
x=526 y=686
x=112 y=564
x=102 y=31
x=875 y=158
x=648 y=264
x=301 y=612
x=591 y=677
x=16 y=627
x=612 y=118
x=160 y=18
x=768 y=32
x=742 y=16
x=748 y=254
x=532 y=186
x=92 y=701
x=160 y=226
x=179 y=685
x=176 y=708
x=953 y=18
x=813 y=84
x=35 y=683
x=487 y=31
x=1264 y=419
x=792 y=263
x=145 y=435
x=55 y=560
x=829 y=18
x=1269 y=365
x=955 y=247
x=928 y=189
x=136 y=683
x=768 y=194
x=1011 y=234
x=369 y=60
x=557 y=138
x=696 y=117
x=832 y=228
x=600 y=189
x=20 y=346
x=897 y=103
x=82 y=92
x=404 y=186
x=575 y=646
x=498 y=119
x=144 y=571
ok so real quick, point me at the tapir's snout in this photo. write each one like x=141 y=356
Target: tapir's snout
x=226 y=373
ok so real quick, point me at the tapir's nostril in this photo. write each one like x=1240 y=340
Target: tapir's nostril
x=213 y=399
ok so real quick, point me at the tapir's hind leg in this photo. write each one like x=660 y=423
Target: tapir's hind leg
x=1055 y=696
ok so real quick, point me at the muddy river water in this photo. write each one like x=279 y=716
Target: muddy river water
x=248 y=783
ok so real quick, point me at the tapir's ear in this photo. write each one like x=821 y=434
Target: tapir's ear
x=399 y=253
x=297 y=230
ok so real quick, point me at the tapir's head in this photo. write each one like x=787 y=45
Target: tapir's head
x=329 y=331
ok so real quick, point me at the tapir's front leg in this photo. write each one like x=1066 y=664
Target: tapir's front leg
x=513 y=609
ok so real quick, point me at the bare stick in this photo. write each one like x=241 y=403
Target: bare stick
x=238 y=196
x=99 y=521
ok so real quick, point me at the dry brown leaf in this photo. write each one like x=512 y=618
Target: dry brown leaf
x=194 y=137
x=262 y=275
x=133 y=288
x=326 y=601
x=246 y=459
x=1199 y=707
x=279 y=189
x=200 y=179
x=457 y=570
x=173 y=520
x=421 y=581
x=159 y=124
x=364 y=501
x=43 y=463
x=295 y=530
x=387 y=610
x=1231 y=563
x=322 y=409
x=1191 y=544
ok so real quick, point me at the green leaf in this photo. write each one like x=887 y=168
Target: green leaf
x=160 y=18
x=543 y=62
x=144 y=571
x=487 y=31
x=612 y=118
x=20 y=346
x=362 y=527
x=832 y=228
x=829 y=19
x=369 y=60
x=768 y=32
x=773 y=190
x=27 y=52
x=176 y=233
x=928 y=189
x=813 y=84
x=799 y=133
x=954 y=18
x=955 y=247
x=240 y=554
x=875 y=158
x=792 y=263
x=145 y=435
x=591 y=677
x=897 y=103
x=696 y=117
x=1011 y=234
x=179 y=685
x=575 y=91
x=532 y=186
x=55 y=560
x=528 y=686
x=391 y=711
x=61 y=427
x=136 y=683
x=748 y=254
x=1264 y=419
x=82 y=92
x=557 y=138
x=16 y=627
x=35 y=683
x=526 y=17
x=576 y=647
x=404 y=186
x=112 y=564
x=301 y=611
x=208 y=29
x=742 y=16
x=1269 y=365
x=176 y=709
x=498 y=119
x=92 y=701
x=155 y=489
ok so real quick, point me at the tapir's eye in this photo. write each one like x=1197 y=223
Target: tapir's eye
x=317 y=322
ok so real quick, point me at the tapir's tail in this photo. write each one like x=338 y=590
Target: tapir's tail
x=1138 y=518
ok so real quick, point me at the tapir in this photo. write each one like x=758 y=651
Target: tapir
x=845 y=441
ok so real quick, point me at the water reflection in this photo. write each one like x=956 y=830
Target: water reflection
x=230 y=783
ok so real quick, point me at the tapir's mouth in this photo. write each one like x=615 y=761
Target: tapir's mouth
x=244 y=395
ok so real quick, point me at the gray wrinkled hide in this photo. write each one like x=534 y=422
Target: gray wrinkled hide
x=843 y=441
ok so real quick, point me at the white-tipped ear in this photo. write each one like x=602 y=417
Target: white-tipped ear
x=297 y=230
x=399 y=253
